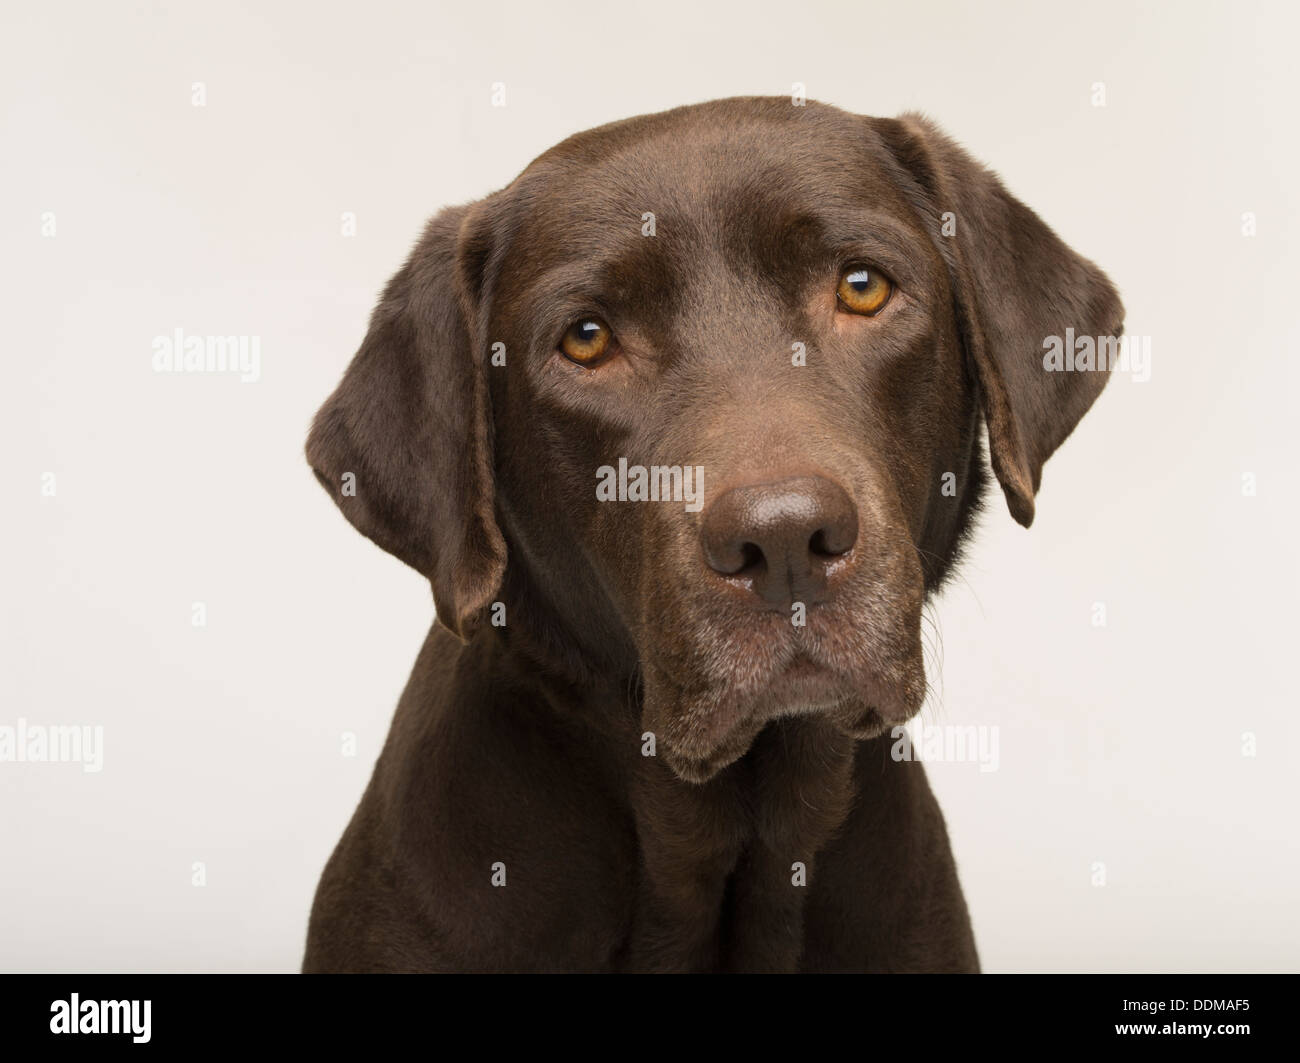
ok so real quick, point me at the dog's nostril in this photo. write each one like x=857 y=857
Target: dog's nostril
x=751 y=556
x=826 y=543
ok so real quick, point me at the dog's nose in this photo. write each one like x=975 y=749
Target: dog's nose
x=781 y=536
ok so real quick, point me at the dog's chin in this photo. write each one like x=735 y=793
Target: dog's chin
x=702 y=735
x=697 y=769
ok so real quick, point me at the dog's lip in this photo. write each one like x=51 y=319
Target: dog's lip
x=699 y=769
x=806 y=684
x=791 y=672
x=864 y=723
x=801 y=686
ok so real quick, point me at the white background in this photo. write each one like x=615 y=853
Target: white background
x=1120 y=745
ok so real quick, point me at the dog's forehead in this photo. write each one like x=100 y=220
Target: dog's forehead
x=717 y=167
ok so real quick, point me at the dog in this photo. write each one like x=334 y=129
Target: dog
x=684 y=426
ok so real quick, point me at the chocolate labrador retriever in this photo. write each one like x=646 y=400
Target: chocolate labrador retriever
x=683 y=426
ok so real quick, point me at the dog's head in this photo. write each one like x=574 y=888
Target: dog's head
x=698 y=398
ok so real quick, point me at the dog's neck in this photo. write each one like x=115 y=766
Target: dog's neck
x=724 y=866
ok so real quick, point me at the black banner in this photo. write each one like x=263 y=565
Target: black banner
x=161 y=1013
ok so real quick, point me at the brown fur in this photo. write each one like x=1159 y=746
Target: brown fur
x=522 y=745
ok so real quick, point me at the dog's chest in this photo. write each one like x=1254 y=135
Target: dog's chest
x=725 y=867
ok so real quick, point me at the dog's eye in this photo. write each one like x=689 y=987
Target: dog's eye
x=863 y=291
x=586 y=341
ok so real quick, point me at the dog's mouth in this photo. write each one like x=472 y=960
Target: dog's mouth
x=806 y=685
x=713 y=728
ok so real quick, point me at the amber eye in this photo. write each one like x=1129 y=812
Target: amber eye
x=587 y=341
x=863 y=291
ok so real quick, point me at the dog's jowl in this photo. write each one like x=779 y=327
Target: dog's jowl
x=681 y=491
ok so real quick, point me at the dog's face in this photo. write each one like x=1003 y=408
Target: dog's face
x=698 y=396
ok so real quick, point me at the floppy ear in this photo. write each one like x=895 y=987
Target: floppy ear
x=1016 y=285
x=403 y=444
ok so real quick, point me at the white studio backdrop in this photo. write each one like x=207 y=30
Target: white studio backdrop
x=173 y=574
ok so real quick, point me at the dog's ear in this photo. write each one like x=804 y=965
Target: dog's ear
x=403 y=445
x=1016 y=285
